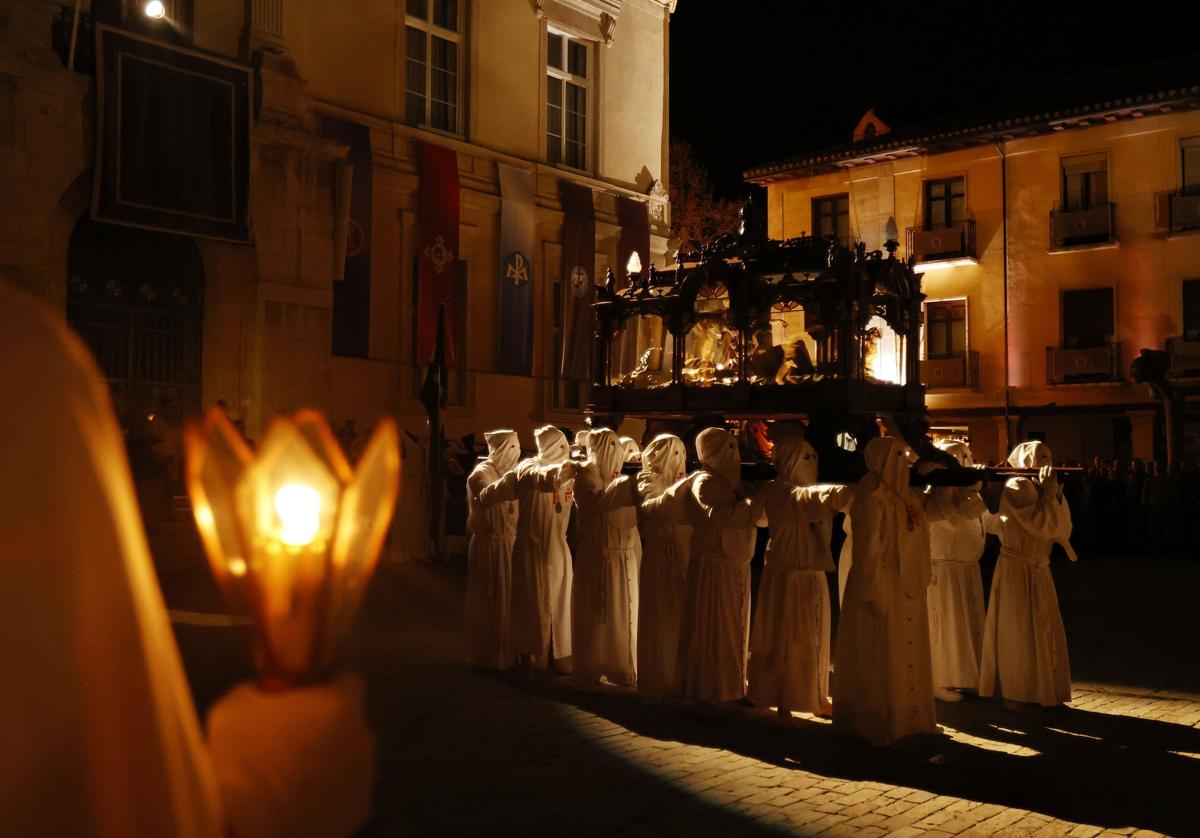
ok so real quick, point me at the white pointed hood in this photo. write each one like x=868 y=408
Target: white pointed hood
x=1033 y=454
x=889 y=460
x=718 y=453
x=552 y=445
x=959 y=451
x=666 y=457
x=796 y=460
x=607 y=453
x=504 y=449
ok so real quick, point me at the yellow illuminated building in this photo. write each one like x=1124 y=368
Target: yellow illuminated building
x=1056 y=242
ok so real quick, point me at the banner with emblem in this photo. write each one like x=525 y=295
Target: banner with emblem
x=437 y=248
x=578 y=283
x=518 y=219
x=352 y=294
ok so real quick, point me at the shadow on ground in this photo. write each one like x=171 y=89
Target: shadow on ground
x=467 y=752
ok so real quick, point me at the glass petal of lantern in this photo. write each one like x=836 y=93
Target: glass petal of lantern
x=217 y=457
x=312 y=426
x=288 y=501
x=367 y=508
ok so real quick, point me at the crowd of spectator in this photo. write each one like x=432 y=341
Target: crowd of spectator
x=1136 y=508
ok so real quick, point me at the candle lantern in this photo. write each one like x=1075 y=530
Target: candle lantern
x=292 y=532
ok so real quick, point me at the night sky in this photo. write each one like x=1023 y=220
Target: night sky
x=756 y=82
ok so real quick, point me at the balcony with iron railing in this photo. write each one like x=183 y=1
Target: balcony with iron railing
x=952 y=244
x=1183 y=210
x=1084 y=364
x=952 y=371
x=1074 y=226
x=1183 y=355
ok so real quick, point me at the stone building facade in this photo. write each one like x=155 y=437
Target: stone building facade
x=483 y=78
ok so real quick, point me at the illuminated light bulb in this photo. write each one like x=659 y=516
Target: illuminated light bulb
x=237 y=567
x=634 y=265
x=155 y=9
x=299 y=508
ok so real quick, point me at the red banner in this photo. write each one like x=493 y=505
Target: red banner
x=437 y=248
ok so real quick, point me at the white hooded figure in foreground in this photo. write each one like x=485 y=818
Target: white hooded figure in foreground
x=489 y=558
x=789 y=643
x=99 y=730
x=605 y=597
x=664 y=566
x=541 y=563
x=956 y=602
x=1024 y=644
x=715 y=631
x=883 y=680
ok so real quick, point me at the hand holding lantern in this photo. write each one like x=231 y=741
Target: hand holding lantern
x=292 y=534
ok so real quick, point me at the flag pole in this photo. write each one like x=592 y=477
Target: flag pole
x=433 y=395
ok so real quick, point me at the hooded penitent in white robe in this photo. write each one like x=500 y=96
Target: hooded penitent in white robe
x=98 y=733
x=605 y=597
x=664 y=566
x=631 y=452
x=883 y=679
x=956 y=602
x=1024 y=643
x=489 y=558
x=789 y=643
x=541 y=563
x=715 y=630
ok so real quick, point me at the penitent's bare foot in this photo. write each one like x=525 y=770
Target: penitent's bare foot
x=824 y=709
x=784 y=716
x=946 y=694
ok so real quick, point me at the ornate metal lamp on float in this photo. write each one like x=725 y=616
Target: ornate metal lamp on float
x=752 y=328
x=292 y=533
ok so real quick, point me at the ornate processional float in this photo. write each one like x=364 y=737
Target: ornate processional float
x=752 y=330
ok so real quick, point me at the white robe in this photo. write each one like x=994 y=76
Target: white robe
x=541 y=561
x=605 y=595
x=661 y=590
x=883 y=679
x=487 y=612
x=1024 y=642
x=956 y=601
x=715 y=631
x=98 y=730
x=789 y=642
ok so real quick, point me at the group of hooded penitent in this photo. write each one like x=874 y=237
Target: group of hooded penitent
x=658 y=591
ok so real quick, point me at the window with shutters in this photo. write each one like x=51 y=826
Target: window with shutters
x=1084 y=182
x=569 y=75
x=1087 y=318
x=831 y=217
x=945 y=329
x=432 y=64
x=945 y=202
x=1190 y=154
x=1191 y=309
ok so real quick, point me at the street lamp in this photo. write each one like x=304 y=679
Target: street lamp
x=292 y=533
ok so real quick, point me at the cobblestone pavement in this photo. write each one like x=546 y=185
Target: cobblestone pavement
x=473 y=753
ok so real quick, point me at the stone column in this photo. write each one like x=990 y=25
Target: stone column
x=1142 y=433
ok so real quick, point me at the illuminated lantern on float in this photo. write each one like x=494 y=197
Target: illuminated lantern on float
x=292 y=533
